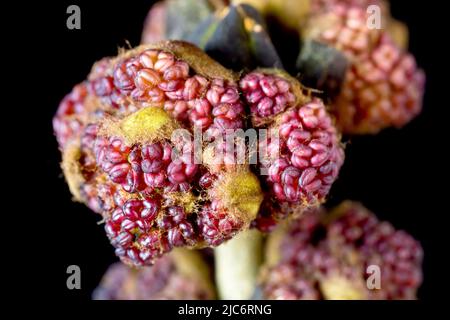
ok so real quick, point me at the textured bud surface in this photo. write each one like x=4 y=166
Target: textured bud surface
x=301 y=154
x=302 y=162
x=267 y=95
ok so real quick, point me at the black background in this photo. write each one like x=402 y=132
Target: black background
x=399 y=174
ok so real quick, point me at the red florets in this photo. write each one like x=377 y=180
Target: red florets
x=314 y=251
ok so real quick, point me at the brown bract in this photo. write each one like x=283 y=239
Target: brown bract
x=73 y=170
